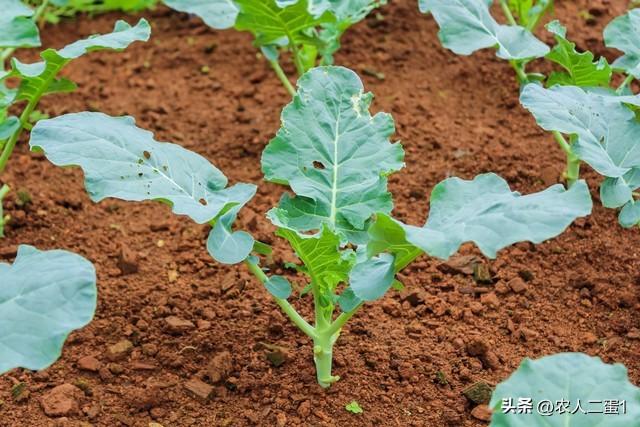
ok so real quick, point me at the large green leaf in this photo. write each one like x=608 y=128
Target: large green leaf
x=43 y=297
x=333 y=154
x=40 y=78
x=618 y=192
x=467 y=26
x=17 y=29
x=272 y=24
x=568 y=389
x=623 y=33
x=581 y=70
x=218 y=14
x=123 y=161
x=606 y=130
x=484 y=211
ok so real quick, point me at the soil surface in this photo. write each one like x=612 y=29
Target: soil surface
x=179 y=322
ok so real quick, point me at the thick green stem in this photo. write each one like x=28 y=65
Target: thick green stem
x=625 y=84
x=507 y=12
x=283 y=77
x=572 y=173
x=323 y=358
x=287 y=308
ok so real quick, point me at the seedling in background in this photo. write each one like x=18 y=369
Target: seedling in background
x=30 y=82
x=310 y=30
x=56 y=10
x=591 y=121
x=568 y=389
x=335 y=157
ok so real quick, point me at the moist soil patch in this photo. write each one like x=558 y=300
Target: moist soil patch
x=183 y=341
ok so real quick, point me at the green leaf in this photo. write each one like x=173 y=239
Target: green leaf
x=570 y=378
x=348 y=300
x=479 y=211
x=581 y=70
x=272 y=24
x=44 y=296
x=606 y=130
x=218 y=14
x=630 y=214
x=279 y=287
x=529 y=12
x=371 y=279
x=333 y=154
x=467 y=26
x=354 y=408
x=17 y=27
x=40 y=78
x=8 y=127
x=123 y=161
x=623 y=33
x=325 y=262
x=227 y=246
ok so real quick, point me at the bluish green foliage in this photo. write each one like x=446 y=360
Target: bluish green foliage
x=583 y=382
x=604 y=132
x=17 y=29
x=467 y=26
x=335 y=156
x=44 y=296
x=123 y=161
x=623 y=33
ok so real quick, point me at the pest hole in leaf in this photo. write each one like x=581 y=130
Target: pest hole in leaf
x=146 y=154
x=203 y=202
x=140 y=161
x=140 y=174
x=318 y=165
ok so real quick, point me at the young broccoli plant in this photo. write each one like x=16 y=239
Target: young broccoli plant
x=309 y=29
x=44 y=296
x=335 y=157
x=567 y=389
x=30 y=82
x=592 y=121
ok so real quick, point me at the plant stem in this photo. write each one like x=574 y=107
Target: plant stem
x=507 y=12
x=287 y=308
x=323 y=358
x=3 y=192
x=283 y=77
x=572 y=172
x=296 y=58
x=624 y=84
x=520 y=71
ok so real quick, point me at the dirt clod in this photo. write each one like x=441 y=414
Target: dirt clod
x=120 y=350
x=62 y=401
x=199 y=389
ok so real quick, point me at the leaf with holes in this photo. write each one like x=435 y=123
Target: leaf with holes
x=123 y=161
x=44 y=296
x=334 y=155
x=467 y=26
x=602 y=391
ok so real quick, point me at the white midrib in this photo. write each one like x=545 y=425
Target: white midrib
x=336 y=167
